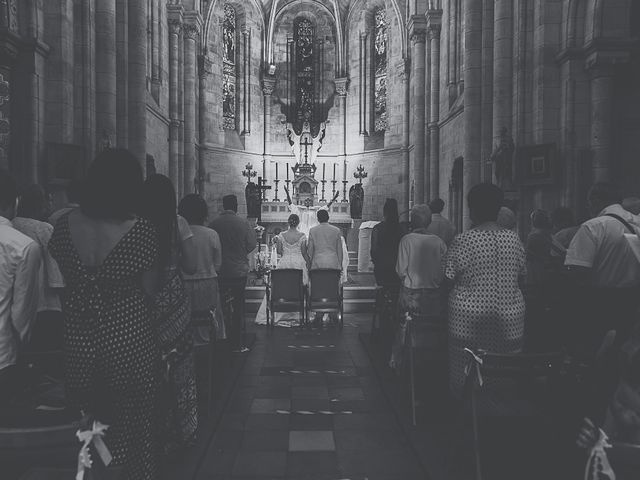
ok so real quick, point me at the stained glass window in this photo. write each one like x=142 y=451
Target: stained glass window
x=380 y=46
x=304 y=40
x=229 y=68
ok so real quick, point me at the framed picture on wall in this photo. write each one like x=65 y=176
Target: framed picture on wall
x=536 y=164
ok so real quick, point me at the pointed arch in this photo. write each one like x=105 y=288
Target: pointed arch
x=208 y=18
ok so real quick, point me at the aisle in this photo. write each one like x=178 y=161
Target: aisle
x=308 y=406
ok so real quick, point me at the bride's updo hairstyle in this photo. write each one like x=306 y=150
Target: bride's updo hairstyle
x=294 y=220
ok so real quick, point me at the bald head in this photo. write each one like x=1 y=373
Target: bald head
x=420 y=216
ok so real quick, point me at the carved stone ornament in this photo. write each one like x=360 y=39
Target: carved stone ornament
x=175 y=26
x=191 y=31
x=268 y=85
x=342 y=86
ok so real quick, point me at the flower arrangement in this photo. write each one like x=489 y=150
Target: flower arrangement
x=259 y=229
x=263 y=264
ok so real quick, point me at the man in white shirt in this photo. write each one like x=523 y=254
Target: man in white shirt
x=20 y=262
x=605 y=270
x=440 y=225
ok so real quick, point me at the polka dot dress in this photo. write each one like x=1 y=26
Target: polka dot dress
x=112 y=357
x=486 y=306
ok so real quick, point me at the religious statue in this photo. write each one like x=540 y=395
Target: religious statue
x=317 y=142
x=253 y=195
x=356 y=199
x=294 y=141
x=502 y=158
x=298 y=141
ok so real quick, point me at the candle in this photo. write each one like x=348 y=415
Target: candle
x=276 y=171
x=334 y=172
x=324 y=166
x=345 y=171
x=287 y=170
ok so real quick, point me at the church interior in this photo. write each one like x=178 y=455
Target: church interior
x=336 y=104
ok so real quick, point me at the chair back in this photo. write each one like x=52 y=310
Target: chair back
x=325 y=285
x=286 y=284
x=625 y=460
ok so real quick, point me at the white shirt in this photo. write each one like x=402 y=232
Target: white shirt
x=50 y=275
x=441 y=227
x=208 y=251
x=600 y=244
x=20 y=261
x=420 y=260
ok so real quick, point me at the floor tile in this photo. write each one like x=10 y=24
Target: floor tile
x=311 y=441
x=346 y=393
x=317 y=392
x=265 y=441
x=301 y=464
x=269 y=405
x=267 y=421
x=261 y=464
x=312 y=422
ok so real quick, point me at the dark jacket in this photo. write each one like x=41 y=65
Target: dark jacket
x=238 y=239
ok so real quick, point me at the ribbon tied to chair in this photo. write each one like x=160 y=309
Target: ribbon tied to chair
x=474 y=362
x=598 y=466
x=88 y=437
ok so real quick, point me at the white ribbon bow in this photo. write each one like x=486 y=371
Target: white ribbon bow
x=477 y=363
x=598 y=464
x=87 y=437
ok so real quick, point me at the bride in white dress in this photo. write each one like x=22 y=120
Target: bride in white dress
x=292 y=246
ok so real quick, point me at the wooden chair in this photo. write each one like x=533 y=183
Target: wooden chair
x=206 y=319
x=520 y=367
x=326 y=293
x=286 y=294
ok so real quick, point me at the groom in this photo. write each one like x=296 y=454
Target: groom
x=324 y=246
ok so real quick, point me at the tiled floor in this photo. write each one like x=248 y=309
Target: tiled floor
x=308 y=406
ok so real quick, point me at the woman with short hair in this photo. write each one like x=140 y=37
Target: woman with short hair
x=485 y=265
x=108 y=258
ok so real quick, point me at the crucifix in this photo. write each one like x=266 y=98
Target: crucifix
x=306 y=144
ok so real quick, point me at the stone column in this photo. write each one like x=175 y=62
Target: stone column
x=191 y=33
x=417 y=30
x=205 y=124
x=434 y=24
x=122 y=74
x=600 y=66
x=452 y=80
x=175 y=29
x=268 y=85
x=502 y=69
x=342 y=87
x=138 y=80
x=105 y=72
x=181 y=93
x=472 y=99
x=403 y=73
x=246 y=82
x=364 y=121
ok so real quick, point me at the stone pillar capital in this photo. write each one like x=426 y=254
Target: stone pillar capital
x=403 y=68
x=268 y=85
x=175 y=26
x=342 y=86
x=434 y=23
x=191 y=31
x=418 y=29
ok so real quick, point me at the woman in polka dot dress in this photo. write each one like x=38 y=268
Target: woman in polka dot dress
x=485 y=265
x=108 y=258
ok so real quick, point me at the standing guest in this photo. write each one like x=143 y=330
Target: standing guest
x=605 y=272
x=65 y=200
x=20 y=262
x=385 y=238
x=419 y=266
x=238 y=240
x=48 y=331
x=484 y=264
x=538 y=249
x=108 y=258
x=325 y=249
x=177 y=254
x=507 y=218
x=564 y=226
x=202 y=286
x=440 y=226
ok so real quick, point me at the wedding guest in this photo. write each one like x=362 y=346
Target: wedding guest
x=507 y=218
x=564 y=226
x=177 y=254
x=238 y=240
x=605 y=272
x=65 y=200
x=484 y=266
x=202 y=285
x=385 y=238
x=20 y=264
x=108 y=258
x=440 y=225
x=48 y=330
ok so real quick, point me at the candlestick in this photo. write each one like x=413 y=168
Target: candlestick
x=287 y=171
x=276 y=174
x=345 y=172
x=324 y=166
x=334 y=172
x=334 y=181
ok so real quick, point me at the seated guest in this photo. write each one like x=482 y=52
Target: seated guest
x=605 y=273
x=238 y=240
x=108 y=258
x=65 y=200
x=484 y=265
x=440 y=226
x=385 y=238
x=564 y=226
x=172 y=312
x=20 y=264
x=48 y=331
x=202 y=286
